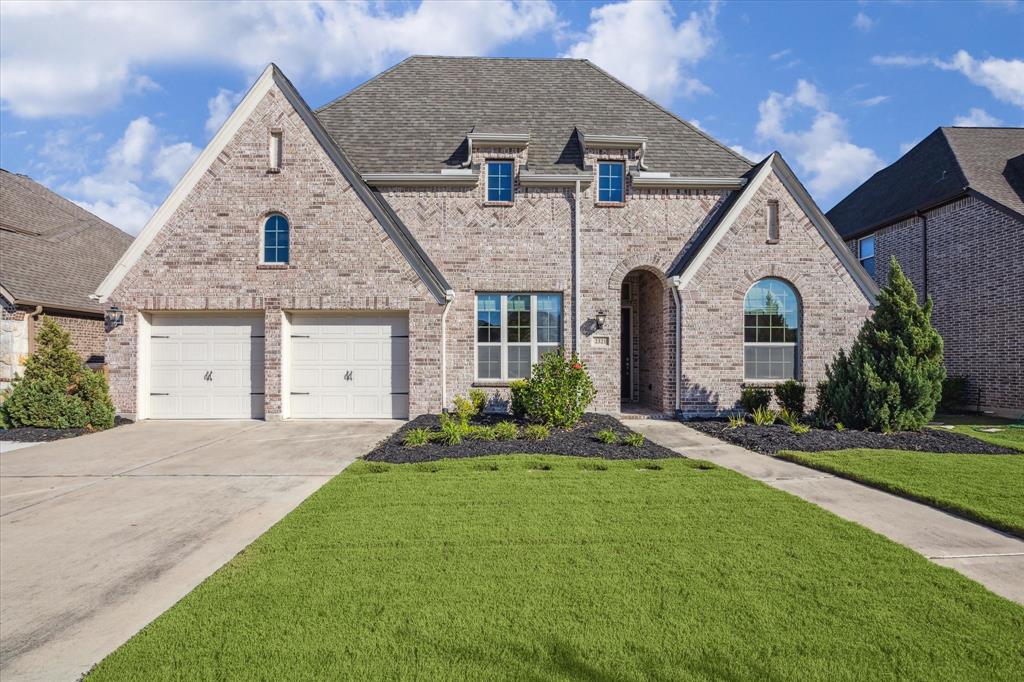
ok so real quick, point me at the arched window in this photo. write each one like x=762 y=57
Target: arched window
x=275 y=239
x=771 y=320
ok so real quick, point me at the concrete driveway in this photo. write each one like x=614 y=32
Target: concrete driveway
x=100 y=534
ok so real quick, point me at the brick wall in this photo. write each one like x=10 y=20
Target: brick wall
x=975 y=262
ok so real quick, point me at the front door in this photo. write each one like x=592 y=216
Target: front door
x=626 y=350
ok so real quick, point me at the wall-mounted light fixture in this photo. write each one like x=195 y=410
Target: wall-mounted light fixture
x=600 y=318
x=113 y=318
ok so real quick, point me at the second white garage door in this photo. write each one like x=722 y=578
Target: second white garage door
x=349 y=366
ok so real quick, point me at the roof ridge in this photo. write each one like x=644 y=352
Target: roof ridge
x=965 y=181
x=650 y=101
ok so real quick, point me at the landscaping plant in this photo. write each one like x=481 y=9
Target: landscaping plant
x=799 y=429
x=753 y=398
x=56 y=390
x=891 y=380
x=505 y=431
x=790 y=395
x=634 y=440
x=517 y=405
x=607 y=436
x=479 y=399
x=479 y=432
x=536 y=432
x=736 y=421
x=464 y=409
x=764 y=416
x=789 y=417
x=558 y=391
x=417 y=437
x=452 y=431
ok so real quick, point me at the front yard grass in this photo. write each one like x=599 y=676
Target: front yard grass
x=1005 y=436
x=557 y=568
x=986 y=488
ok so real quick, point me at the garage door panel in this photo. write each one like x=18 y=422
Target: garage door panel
x=333 y=350
x=366 y=351
x=164 y=351
x=194 y=351
x=304 y=350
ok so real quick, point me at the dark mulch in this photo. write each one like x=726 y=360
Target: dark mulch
x=35 y=434
x=577 y=442
x=772 y=439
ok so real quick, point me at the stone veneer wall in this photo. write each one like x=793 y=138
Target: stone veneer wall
x=975 y=262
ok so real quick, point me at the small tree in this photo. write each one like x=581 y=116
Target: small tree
x=891 y=380
x=56 y=390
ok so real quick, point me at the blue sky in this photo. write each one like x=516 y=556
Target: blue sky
x=108 y=103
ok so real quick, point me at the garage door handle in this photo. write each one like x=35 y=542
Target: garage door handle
x=294 y=393
x=300 y=336
x=159 y=393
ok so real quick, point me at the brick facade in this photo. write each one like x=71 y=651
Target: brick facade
x=975 y=276
x=206 y=257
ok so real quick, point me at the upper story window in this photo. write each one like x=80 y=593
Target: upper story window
x=499 y=181
x=275 y=239
x=610 y=182
x=513 y=331
x=771 y=319
x=866 y=253
x=773 y=221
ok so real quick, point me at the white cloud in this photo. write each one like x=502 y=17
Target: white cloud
x=775 y=56
x=907 y=146
x=875 y=101
x=749 y=154
x=823 y=151
x=863 y=22
x=1004 y=78
x=640 y=42
x=170 y=163
x=977 y=118
x=221 y=105
x=104 y=49
x=129 y=213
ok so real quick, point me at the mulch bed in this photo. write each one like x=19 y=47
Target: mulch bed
x=35 y=434
x=771 y=439
x=576 y=442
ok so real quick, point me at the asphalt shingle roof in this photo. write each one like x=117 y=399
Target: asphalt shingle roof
x=415 y=117
x=52 y=251
x=942 y=166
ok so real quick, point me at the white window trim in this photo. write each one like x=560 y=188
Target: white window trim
x=263 y=239
x=597 y=176
x=795 y=345
x=504 y=344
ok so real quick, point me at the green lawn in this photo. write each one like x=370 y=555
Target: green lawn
x=495 y=568
x=1007 y=437
x=986 y=488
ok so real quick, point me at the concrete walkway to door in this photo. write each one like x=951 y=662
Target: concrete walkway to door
x=994 y=559
x=101 y=534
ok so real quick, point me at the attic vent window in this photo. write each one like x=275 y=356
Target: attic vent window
x=773 y=222
x=275 y=150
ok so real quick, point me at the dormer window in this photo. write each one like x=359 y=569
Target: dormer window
x=610 y=182
x=499 y=182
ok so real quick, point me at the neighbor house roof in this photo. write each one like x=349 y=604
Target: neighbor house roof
x=52 y=251
x=414 y=118
x=948 y=164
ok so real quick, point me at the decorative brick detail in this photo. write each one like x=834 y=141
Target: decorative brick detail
x=975 y=265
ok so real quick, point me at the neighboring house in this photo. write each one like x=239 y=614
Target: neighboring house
x=952 y=212
x=53 y=255
x=445 y=224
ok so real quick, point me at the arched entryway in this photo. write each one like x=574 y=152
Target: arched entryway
x=646 y=342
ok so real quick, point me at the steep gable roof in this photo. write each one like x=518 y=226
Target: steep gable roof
x=946 y=165
x=272 y=76
x=52 y=251
x=415 y=116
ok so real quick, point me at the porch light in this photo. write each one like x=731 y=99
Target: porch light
x=600 y=318
x=114 y=317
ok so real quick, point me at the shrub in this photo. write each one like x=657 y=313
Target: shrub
x=752 y=398
x=536 y=432
x=518 y=390
x=790 y=395
x=464 y=409
x=736 y=421
x=452 y=431
x=558 y=391
x=476 y=432
x=479 y=399
x=56 y=390
x=891 y=380
x=799 y=429
x=764 y=416
x=416 y=437
x=505 y=431
x=840 y=427
x=788 y=417
x=954 y=393
x=607 y=436
x=634 y=440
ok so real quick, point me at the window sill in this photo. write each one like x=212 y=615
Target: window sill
x=272 y=266
x=771 y=241
x=492 y=383
x=499 y=203
x=609 y=204
x=765 y=383
x=273 y=171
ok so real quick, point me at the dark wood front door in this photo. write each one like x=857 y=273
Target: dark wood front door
x=626 y=350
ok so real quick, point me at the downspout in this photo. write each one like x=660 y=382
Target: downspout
x=679 y=314
x=576 y=272
x=449 y=298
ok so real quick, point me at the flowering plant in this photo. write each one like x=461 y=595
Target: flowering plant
x=558 y=391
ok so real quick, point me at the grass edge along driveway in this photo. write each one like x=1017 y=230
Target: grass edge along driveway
x=557 y=568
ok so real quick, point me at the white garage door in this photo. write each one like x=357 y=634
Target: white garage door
x=354 y=366
x=206 y=367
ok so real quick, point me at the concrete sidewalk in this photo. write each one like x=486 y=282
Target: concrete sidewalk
x=994 y=559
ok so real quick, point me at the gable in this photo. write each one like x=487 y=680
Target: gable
x=273 y=83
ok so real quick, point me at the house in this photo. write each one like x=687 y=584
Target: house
x=951 y=210
x=53 y=255
x=443 y=225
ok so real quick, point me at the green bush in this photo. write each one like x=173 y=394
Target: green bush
x=480 y=433
x=799 y=429
x=634 y=440
x=479 y=399
x=788 y=417
x=558 y=391
x=607 y=436
x=56 y=390
x=891 y=380
x=505 y=431
x=464 y=409
x=536 y=432
x=954 y=393
x=752 y=398
x=452 y=431
x=736 y=421
x=790 y=395
x=416 y=437
x=764 y=416
x=518 y=390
